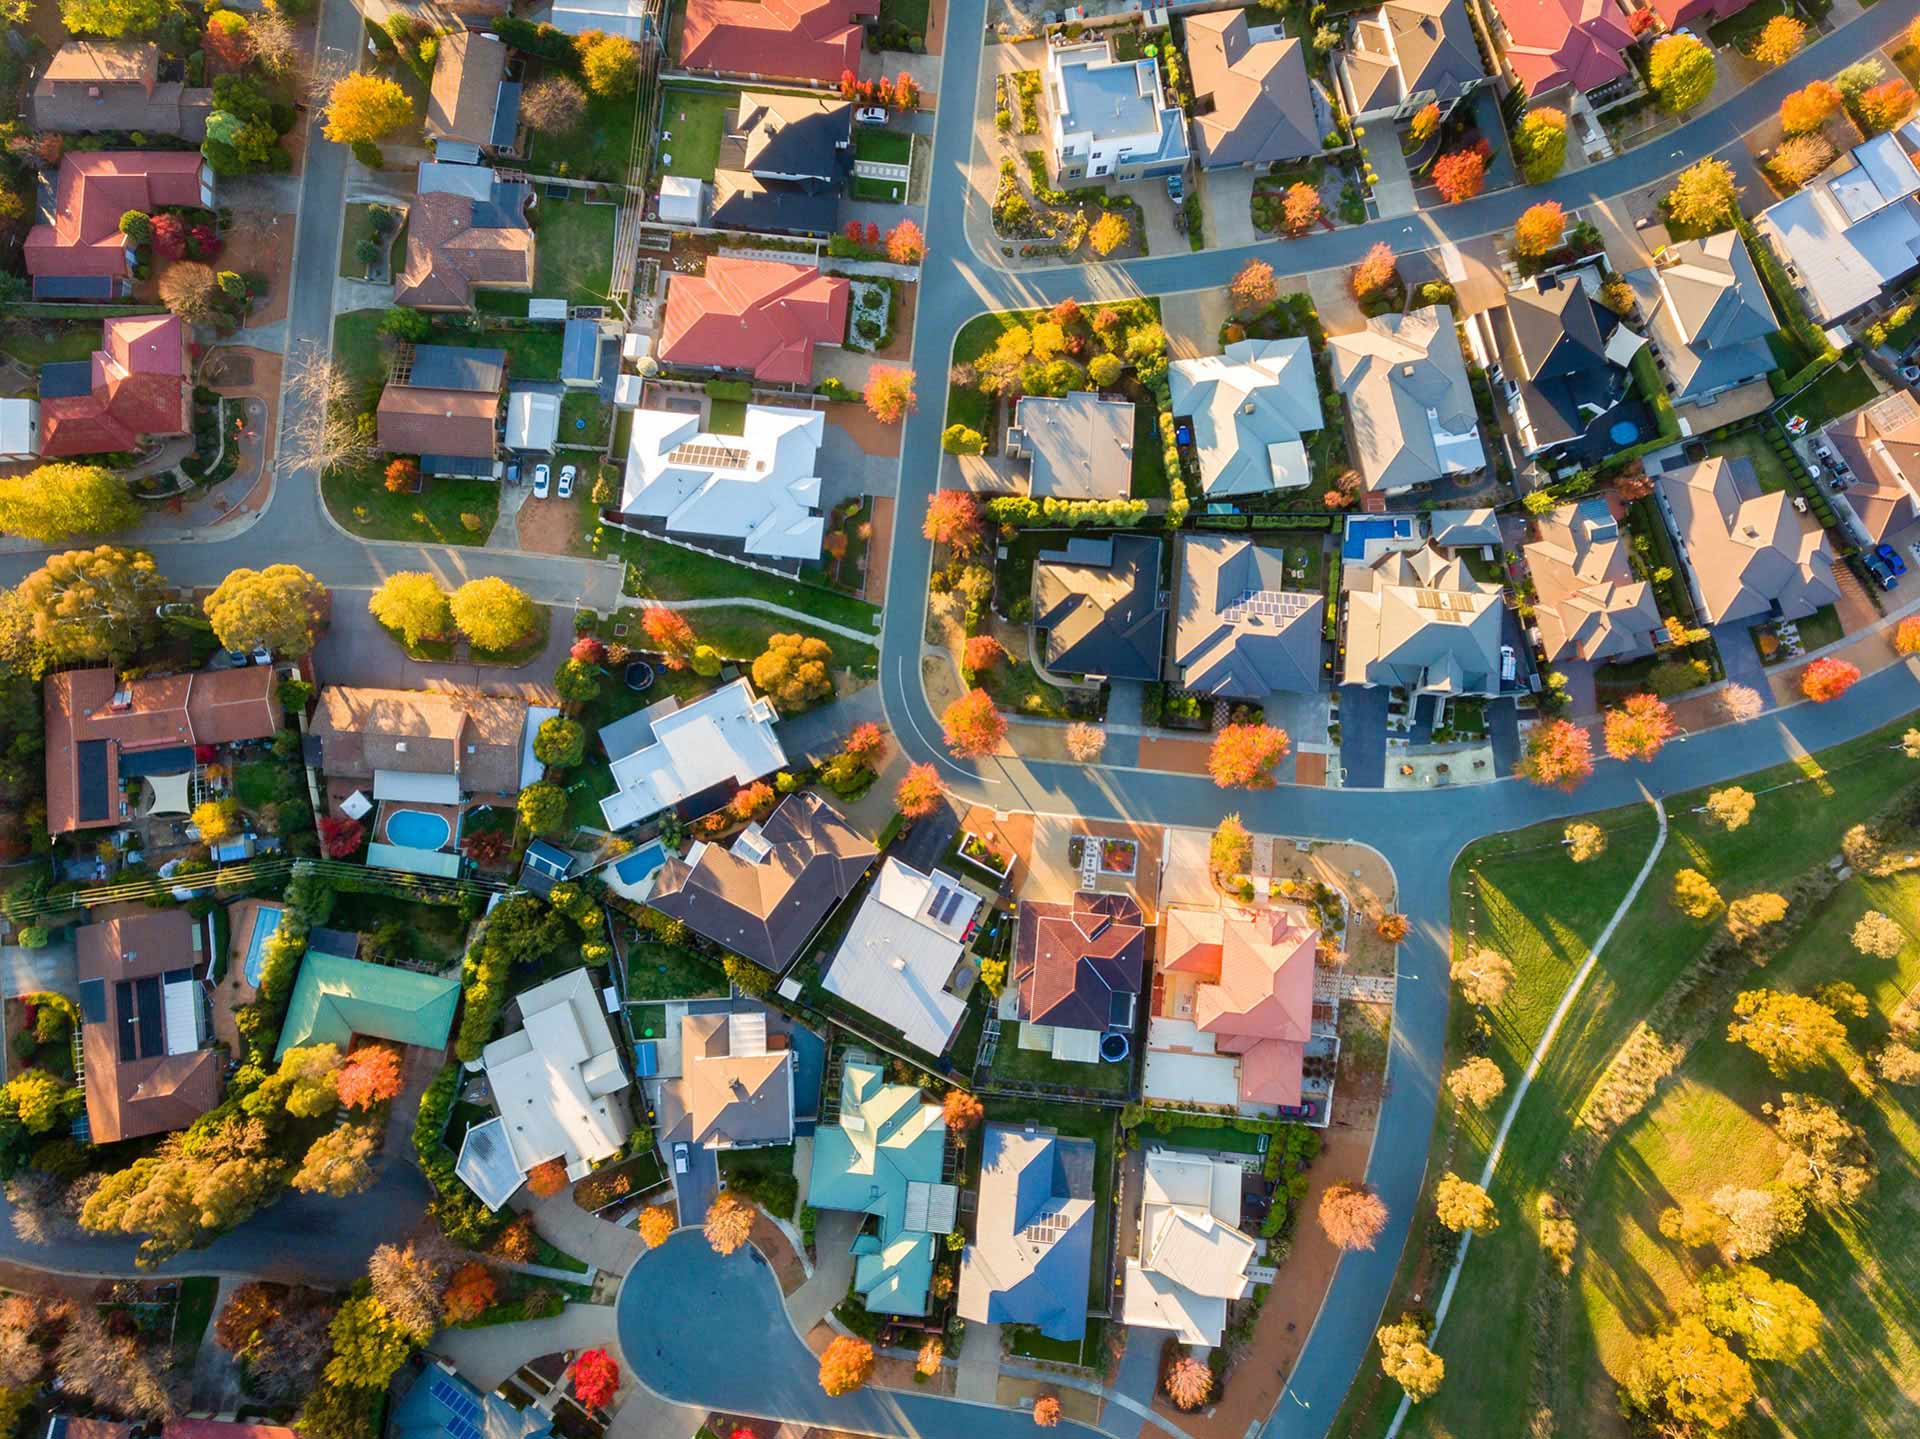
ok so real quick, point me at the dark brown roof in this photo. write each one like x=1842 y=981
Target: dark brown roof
x=766 y=910
x=414 y=420
x=98 y=86
x=475 y=737
x=1071 y=959
x=448 y=254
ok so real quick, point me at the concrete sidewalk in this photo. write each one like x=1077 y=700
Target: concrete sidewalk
x=571 y=1230
x=490 y=1354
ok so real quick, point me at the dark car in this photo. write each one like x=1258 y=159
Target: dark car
x=1891 y=557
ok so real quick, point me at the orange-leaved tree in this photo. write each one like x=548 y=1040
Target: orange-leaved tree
x=1253 y=289
x=982 y=652
x=1375 y=271
x=1189 y=1382
x=1806 y=110
x=729 y=1222
x=918 y=793
x=1243 y=755
x=953 y=520
x=470 y=1293
x=846 y=1364
x=1540 y=229
x=1827 y=678
x=1301 y=209
x=973 y=726
x=1046 y=1410
x=1906 y=636
x=370 y=1075
x=1460 y=175
x=1352 y=1215
x=1639 y=727
x=548 y=1177
x=670 y=634
x=1885 y=105
x=890 y=396
x=961 y=1110
x=656 y=1225
x=1558 y=753
x=905 y=244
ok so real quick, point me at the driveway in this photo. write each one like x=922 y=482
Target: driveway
x=355 y=651
x=28 y=971
x=817 y=734
x=1226 y=206
x=1741 y=660
x=1363 y=736
x=695 y=1189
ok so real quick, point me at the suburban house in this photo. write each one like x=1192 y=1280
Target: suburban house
x=336 y=996
x=1465 y=529
x=1561 y=373
x=143 y=1025
x=102 y=735
x=473 y=110
x=1707 y=315
x=757 y=491
x=761 y=316
x=1852 y=231
x=782 y=164
x=467 y=230
x=1405 y=383
x=689 y=757
x=885 y=1158
x=1881 y=445
x=1110 y=119
x=1562 y=45
x=100 y=87
x=767 y=894
x=1101 y=608
x=744 y=201
x=580 y=355
x=1419 y=621
x=445 y=405
x=1078 y=969
x=904 y=957
x=777 y=40
x=1233 y=1006
x=19 y=429
x=1032 y=1251
x=1077 y=446
x=440 y=1404
x=556 y=1082
x=1749 y=555
x=1589 y=605
x=1240 y=632
x=1192 y=1258
x=77 y=252
x=1248 y=409
x=1253 y=103
x=1699 y=14
x=137 y=387
x=1407 y=55
x=735 y=1089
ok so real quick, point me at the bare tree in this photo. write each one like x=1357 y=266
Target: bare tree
x=318 y=431
x=33 y=1199
x=115 y=1373
x=288 y=1367
x=274 y=44
x=411 y=1282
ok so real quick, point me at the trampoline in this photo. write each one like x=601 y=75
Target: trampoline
x=1114 y=1046
x=418 y=829
x=639 y=676
x=264 y=924
x=1623 y=433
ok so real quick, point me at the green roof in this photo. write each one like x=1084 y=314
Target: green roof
x=335 y=998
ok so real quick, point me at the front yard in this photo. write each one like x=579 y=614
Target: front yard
x=446 y=511
x=573 y=251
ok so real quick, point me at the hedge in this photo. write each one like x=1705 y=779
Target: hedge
x=729 y=390
x=1024 y=510
x=543 y=40
x=1293 y=522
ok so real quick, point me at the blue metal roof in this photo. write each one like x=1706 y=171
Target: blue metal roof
x=580 y=351
x=506 y=115
x=451 y=367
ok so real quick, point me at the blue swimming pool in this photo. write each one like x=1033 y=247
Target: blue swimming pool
x=264 y=924
x=634 y=868
x=418 y=829
x=1623 y=433
x=1364 y=528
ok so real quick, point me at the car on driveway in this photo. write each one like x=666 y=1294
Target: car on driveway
x=541 y=476
x=1891 y=558
x=871 y=115
x=567 y=473
x=680 y=1157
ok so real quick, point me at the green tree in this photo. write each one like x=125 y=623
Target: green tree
x=576 y=681
x=197 y=1185
x=277 y=608
x=559 y=741
x=1789 y=1031
x=705 y=661
x=1680 y=69
x=114 y=18
x=493 y=614
x=542 y=807
x=404 y=323
x=368 y=1346
x=1773 y=1319
x=303 y=1086
x=1694 y=895
x=340 y=1162
x=748 y=975
x=63 y=501
x=1704 y=196
x=82 y=605
x=413 y=604
x=1542 y=143
x=961 y=440
x=38 y=1098
x=608 y=63
x=137 y=226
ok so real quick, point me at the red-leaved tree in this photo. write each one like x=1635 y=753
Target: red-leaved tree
x=487 y=847
x=905 y=244
x=1559 y=753
x=865 y=743
x=370 y=1075
x=953 y=519
x=341 y=837
x=588 y=650
x=169 y=237
x=983 y=652
x=1461 y=175
x=1243 y=755
x=918 y=794
x=670 y=634
x=1640 y=727
x=1828 y=678
x=596 y=1378
x=973 y=726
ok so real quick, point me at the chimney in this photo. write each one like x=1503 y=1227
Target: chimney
x=400 y=746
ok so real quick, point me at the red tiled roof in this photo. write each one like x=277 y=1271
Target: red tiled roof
x=758 y=315
x=784 y=39
x=95 y=190
x=1565 y=42
x=140 y=388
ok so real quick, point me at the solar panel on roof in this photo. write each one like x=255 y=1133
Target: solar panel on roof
x=123 y=1009
x=91 y=757
x=179 y=976
x=459 y=1403
x=93 y=1001
x=148 y=990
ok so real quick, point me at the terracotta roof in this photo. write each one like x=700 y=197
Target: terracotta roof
x=466 y=85
x=476 y=737
x=1589 y=604
x=140 y=388
x=448 y=253
x=415 y=420
x=94 y=191
x=1565 y=42
x=785 y=39
x=134 y=1085
x=97 y=85
x=219 y=1429
x=1750 y=553
x=211 y=707
x=1259 y=1001
x=758 y=315
x=1072 y=959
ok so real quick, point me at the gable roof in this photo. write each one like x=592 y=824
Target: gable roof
x=1561 y=355
x=900 y=953
x=734 y=1089
x=1709 y=312
x=1240 y=632
x=1881 y=444
x=1414 y=419
x=466 y=87
x=1588 y=603
x=1564 y=42
x=743 y=200
x=1033 y=1232
x=1249 y=406
x=1262 y=102
x=100 y=86
x=793 y=135
x=764 y=897
x=456 y=243
x=1078 y=446
x=335 y=999
x=93 y=191
x=1410 y=47
x=137 y=387
x=1099 y=602
x=758 y=315
x=474 y=737
x=782 y=39
x=1420 y=620
x=1072 y=960
x=1749 y=552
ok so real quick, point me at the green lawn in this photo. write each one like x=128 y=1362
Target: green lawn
x=434 y=931
x=911 y=14
x=657 y=570
x=1752 y=445
x=765 y=1176
x=194 y=1311
x=1037 y=1066
x=584 y=420
x=665 y=971
x=573 y=251
x=727 y=417
x=261 y=781
x=697 y=118
x=1084 y=1121
x=357 y=227
x=1085 y=1351
x=1149 y=479
x=882 y=146
x=360 y=349
x=1224 y=1140
x=531 y=354
x=1817 y=630
x=45 y=342
x=1840 y=391
x=599 y=148
x=1739 y=32
x=588 y=786
x=359 y=500
x=886 y=192
x=741 y=634
x=1533 y=905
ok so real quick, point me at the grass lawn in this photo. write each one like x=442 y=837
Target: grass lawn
x=1739 y=32
x=697 y=118
x=1817 y=630
x=1037 y=1066
x=882 y=146
x=1149 y=479
x=1752 y=445
x=727 y=417
x=362 y=351
x=359 y=500
x=598 y=148
x=590 y=785
x=665 y=971
x=1534 y=906
x=1840 y=391
x=45 y=342
x=1015 y=685
x=358 y=226
x=886 y=192
x=261 y=781
x=1087 y=1122
x=910 y=13
x=531 y=354
x=584 y=419
x=741 y=634
x=1084 y=1351
x=657 y=570
x=1706 y=1130
x=436 y=931
x=1224 y=1140
x=573 y=251
x=765 y=1176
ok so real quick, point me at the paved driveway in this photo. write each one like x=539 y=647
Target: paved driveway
x=1226 y=206
x=28 y=971
x=1741 y=660
x=1363 y=735
x=356 y=651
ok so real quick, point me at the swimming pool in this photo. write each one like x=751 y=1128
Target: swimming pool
x=1362 y=529
x=635 y=869
x=418 y=829
x=264 y=924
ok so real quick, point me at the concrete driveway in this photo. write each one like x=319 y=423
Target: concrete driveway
x=356 y=651
x=29 y=971
x=1363 y=735
x=695 y=1189
x=1226 y=207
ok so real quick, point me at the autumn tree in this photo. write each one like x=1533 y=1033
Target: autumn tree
x=1189 y=1382
x=363 y=108
x=1230 y=851
x=1639 y=727
x=609 y=64
x=728 y=1223
x=670 y=635
x=1878 y=936
x=953 y=519
x=275 y=609
x=339 y=1162
x=553 y=105
x=1584 y=841
x=1375 y=272
x=1300 y=208
x=1462 y=1205
x=493 y=614
x=370 y=1076
x=1687 y=1381
x=1694 y=895
x=251 y=1309
x=56 y=502
x=1540 y=230
x=1827 y=1157
x=1406 y=1359
x=1558 y=1235
x=470 y=1293
x=1885 y=105
x=559 y=742
x=1789 y=1031
x=890 y=397
x=1773 y=1319
x=1253 y=288
x=1704 y=196
x=1046 y=1411
x=972 y=726
x=1827 y=678
x=1740 y=703
x=1352 y=1215
x=547 y=1178
x=906 y=245
x=596 y=1379
x=1085 y=742
x=1751 y=1221
x=107 y=18
x=305 y=1085
x=845 y=1365
x=1477 y=1082
x=112 y=1370
x=1558 y=754
x=1806 y=110
x=1751 y=913
x=412 y=604
x=182 y=1194
x=656 y=1225
x=1460 y=175
x=919 y=791
x=1899 y=1063
x=1780 y=40
x=1426 y=120
x=794 y=670
x=1730 y=808
x=1542 y=143
x=1244 y=755
x=1798 y=159
x=1484 y=977
x=368 y=1345
x=962 y=1111
x=1680 y=69
x=981 y=653
x=1109 y=233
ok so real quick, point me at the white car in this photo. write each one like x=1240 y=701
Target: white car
x=870 y=115
x=680 y=1157
x=567 y=473
x=541 y=475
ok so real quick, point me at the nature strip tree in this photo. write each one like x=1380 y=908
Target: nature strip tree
x=1807 y=109
x=890 y=397
x=1540 y=230
x=1542 y=143
x=728 y=1223
x=1558 y=754
x=1243 y=756
x=973 y=728
x=275 y=609
x=845 y=1365
x=61 y=501
x=1477 y=1082
x=1085 y=742
x=1781 y=38
x=412 y=603
x=1705 y=195
x=1460 y=175
x=1462 y=1205
x=1253 y=288
x=1406 y=1359
x=1730 y=808
x=1376 y=271
x=919 y=792
x=1352 y=1216
x=1639 y=728
x=1827 y=678
x=1584 y=841
x=363 y=107
x=656 y=1225
x=81 y=605
x=1680 y=69
x=1484 y=977
x=953 y=519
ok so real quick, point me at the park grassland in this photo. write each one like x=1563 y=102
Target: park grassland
x=1521 y=895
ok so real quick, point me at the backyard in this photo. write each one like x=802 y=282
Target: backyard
x=659 y=570
x=573 y=251
x=1752 y=446
x=1840 y=390
x=696 y=119
x=666 y=971
x=1015 y=1065
x=881 y=147
x=600 y=147
x=45 y=342
x=584 y=420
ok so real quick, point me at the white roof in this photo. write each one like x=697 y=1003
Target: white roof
x=405 y=785
x=626 y=392
x=725 y=735
x=902 y=948
x=539 y=308
x=486 y=1164
x=1853 y=230
x=681 y=199
x=1184 y=1066
x=531 y=770
x=19 y=427
x=759 y=487
x=1193 y=1260
x=616 y=17
x=533 y=419
x=549 y=1078
x=1249 y=408
x=356 y=805
x=438 y=177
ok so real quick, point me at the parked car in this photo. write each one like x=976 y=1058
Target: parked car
x=1891 y=556
x=567 y=474
x=513 y=472
x=1176 y=188
x=541 y=476
x=871 y=115
x=1882 y=573
x=1509 y=664
x=680 y=1157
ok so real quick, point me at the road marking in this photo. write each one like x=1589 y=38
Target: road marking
x=938 y=758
